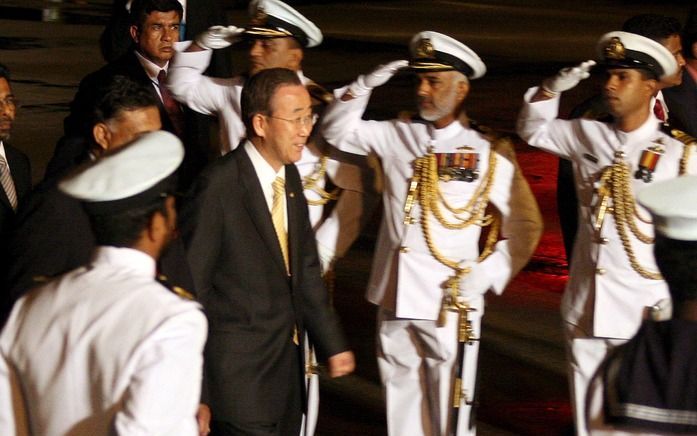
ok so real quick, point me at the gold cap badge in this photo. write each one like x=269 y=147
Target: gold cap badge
x=260 y=17
x=614 y=49
x=424 y=49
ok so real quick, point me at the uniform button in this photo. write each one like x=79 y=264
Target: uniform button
x=603 y=241
x=600 y=271
x=404 y=249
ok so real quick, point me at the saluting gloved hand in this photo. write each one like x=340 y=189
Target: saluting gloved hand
x=217 y=37
x=475 y=283
x=366 y=82
x=567 y=78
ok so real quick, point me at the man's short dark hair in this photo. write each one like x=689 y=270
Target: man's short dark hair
x=140 y=9
x=123 y=229
x=118 y=95
x=677 y=261
x=4 y=72
x=653 y=26
x=258 y=91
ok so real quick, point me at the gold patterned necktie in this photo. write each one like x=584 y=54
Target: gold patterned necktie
x=7 y=184
x=278 y=216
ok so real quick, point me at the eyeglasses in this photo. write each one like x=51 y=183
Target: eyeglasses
x=306 y=121
x=9 y=102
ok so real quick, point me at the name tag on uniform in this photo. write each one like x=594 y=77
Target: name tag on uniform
x=458 y=166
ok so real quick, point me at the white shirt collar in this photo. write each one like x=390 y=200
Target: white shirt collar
x=134 y=260
x=643 y=132
x=265 y=173
x=151 y=69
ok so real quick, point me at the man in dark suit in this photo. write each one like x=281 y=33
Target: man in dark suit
x=682 y=99
x=154 y=29
x=52 y=234
x=255 y=266
x=15 y=171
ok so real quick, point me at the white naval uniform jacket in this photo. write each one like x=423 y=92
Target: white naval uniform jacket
x=103 y=349
x=406 y=278
x=604 y=296
x=221 y=97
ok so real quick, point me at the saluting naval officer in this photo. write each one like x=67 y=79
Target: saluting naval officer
x=645 y=386
x=254 y=261
x=107 y=349
x=277 y=36
x=446 y=183
x=613 y=278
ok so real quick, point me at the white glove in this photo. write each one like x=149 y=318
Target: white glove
x=326 y=258
x=217 y=37
x=567 y=78
x=475 y=283
x=365 y=83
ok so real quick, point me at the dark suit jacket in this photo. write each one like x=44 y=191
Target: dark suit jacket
x=251 y=303
x=20 y=169
x=682 y=104
x=73 y=146
x=21 y=176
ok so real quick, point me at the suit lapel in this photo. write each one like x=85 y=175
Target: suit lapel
x=256 y=206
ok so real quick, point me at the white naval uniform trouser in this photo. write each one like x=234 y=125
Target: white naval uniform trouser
x=584 y=354
x=416 y=360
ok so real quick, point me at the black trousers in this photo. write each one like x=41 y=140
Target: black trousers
x=289 y=423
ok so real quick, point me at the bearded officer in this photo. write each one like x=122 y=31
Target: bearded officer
x=613 y=278
x=106 y=348
x=445 y=183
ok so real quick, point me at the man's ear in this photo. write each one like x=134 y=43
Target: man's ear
x=102 y=135
x=295 y=58
x=133 y=30
x=156 y=225
x=652 y=86
x=463 y=89
x=259 y=125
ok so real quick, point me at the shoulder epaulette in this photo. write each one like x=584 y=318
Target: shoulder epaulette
x=678 y=134
x=689 y=142
x=319 y=93
x=500 y=142
x=183 y=293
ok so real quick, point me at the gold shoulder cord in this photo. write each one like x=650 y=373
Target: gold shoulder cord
x=615 y=185
x=425 y=188
x=690 y=143
x=310 y=184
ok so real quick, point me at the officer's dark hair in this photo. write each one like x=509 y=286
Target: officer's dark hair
x=140 y=9
x=118 y=95
x=259 y=90
x=652 y=26
x=677 y=261
x=4 y=72
x=123 y=229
